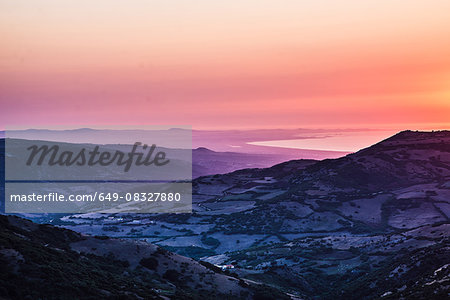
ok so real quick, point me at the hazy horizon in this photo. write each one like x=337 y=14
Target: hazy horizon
x=281 y=141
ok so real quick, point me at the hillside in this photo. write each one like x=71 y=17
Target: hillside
x=46 y=262
x=316 y=228
x=369 y=224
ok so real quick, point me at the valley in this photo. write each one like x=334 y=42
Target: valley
x=338 y=221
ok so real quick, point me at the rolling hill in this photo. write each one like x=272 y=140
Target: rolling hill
x=372 y=224
x=46 y=262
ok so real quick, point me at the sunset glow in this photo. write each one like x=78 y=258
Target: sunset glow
x=222 y=64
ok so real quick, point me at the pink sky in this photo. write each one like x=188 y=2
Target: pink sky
x=226 y=64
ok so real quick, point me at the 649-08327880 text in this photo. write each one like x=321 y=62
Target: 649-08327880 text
x=92 y=197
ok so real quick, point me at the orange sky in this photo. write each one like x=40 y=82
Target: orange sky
x=225 y=64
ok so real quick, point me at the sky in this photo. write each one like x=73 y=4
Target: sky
x=226 y=64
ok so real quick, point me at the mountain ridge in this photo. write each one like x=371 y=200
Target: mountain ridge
x=372 y=224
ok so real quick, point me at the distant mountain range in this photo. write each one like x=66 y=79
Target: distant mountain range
x=373 y=224
x=230 y=149
x=208 y=162
x=216 y=140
